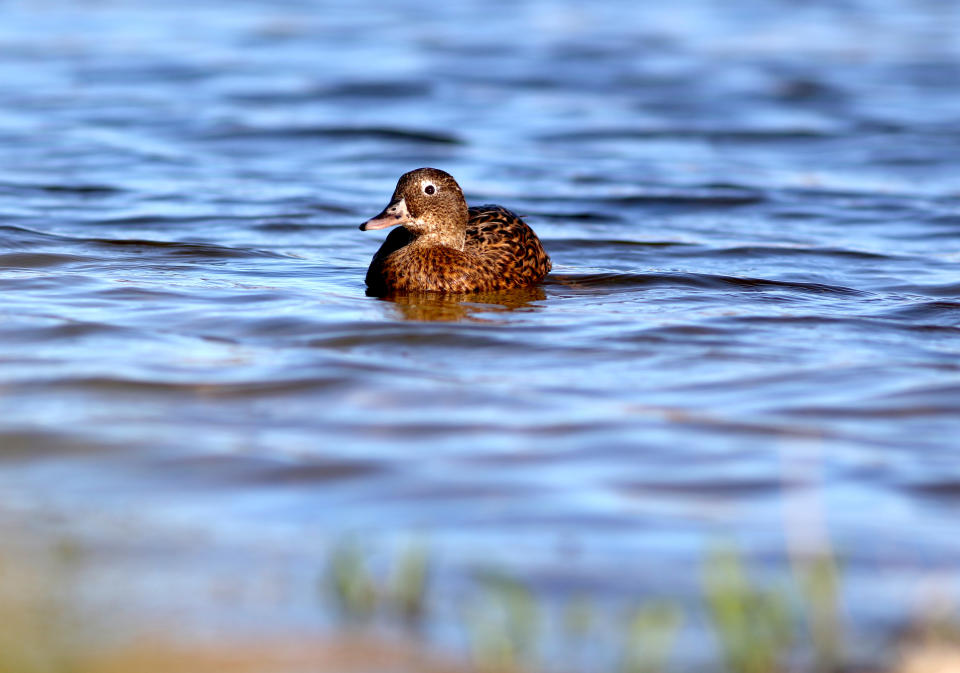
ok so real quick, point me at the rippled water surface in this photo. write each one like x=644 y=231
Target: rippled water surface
x=752 y=330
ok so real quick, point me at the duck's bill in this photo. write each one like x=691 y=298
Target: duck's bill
x=394 y=214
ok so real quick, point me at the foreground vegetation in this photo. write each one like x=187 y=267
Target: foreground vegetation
x=760 y=625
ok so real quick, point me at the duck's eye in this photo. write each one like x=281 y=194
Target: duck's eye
x=429 y=190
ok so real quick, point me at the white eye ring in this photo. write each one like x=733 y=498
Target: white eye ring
x=429 y=189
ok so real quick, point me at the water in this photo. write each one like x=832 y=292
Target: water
x=751 y=332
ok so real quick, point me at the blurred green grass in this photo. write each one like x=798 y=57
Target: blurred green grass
x=761 y=622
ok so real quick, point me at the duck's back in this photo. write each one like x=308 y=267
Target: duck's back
x=508 y=245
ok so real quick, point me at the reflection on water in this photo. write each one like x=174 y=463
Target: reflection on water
x=752 y=209
x=432 y=306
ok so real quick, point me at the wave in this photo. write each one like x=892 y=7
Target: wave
x=698 y=280
x=336 y=133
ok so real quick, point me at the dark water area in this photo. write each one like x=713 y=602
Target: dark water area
x=751 y=333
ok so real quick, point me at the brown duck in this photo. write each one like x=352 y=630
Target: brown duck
x=444 y=246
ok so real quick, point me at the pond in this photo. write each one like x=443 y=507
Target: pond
x=751 y=332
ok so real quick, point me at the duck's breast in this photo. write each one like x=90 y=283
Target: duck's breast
x=436 y=269
x=397 y=239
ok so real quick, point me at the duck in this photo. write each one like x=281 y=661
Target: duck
x=442 y=245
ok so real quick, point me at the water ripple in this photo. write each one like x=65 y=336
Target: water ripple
x=343 y=133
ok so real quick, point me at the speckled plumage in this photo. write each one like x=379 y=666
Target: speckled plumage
x=445 y=247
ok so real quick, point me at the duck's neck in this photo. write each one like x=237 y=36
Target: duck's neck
x=455 y=239
x=445 y=228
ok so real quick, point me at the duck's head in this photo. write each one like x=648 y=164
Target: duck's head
x=428 y=203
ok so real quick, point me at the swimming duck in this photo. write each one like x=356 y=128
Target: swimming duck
x=444 y=246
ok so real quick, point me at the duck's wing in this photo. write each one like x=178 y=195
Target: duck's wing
x=508 y=244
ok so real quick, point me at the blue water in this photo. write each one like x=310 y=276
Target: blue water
x=752 y=330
